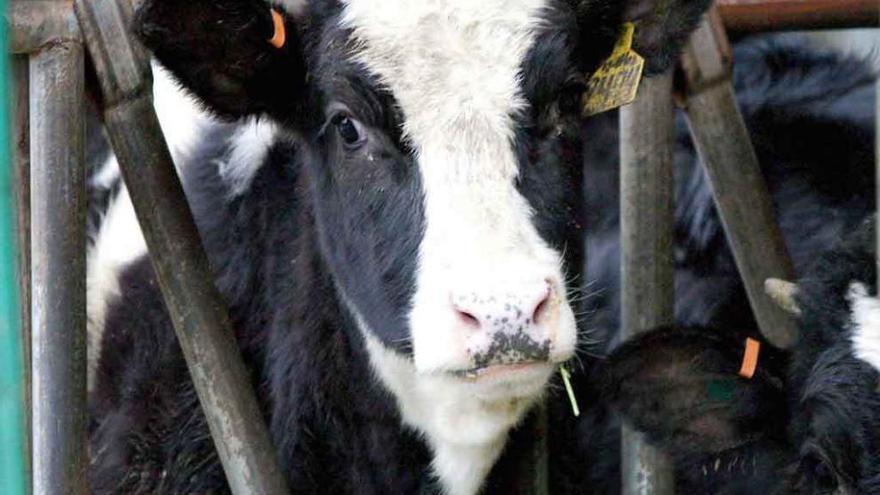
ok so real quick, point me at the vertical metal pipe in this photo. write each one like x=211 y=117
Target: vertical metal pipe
x=13 y=476
x=741 y=196
x=58 y=252
x=21 y=177
x=185 y=279
x=647 y=197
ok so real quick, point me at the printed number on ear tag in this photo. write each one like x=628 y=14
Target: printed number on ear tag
x=616 y=82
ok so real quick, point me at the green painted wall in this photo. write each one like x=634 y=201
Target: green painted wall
x=12 y=471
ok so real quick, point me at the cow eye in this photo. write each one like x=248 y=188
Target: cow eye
x=349 y=129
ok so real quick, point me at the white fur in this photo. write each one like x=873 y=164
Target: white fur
x=466 y=426
x=118 y=243
x=107 y=175
x=119 y=240
x=248 y=148
x=454 y=68
x=181 y=118
x=866 y=325
x=293 y=7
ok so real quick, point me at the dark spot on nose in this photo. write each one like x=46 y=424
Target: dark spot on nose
x=512 y=348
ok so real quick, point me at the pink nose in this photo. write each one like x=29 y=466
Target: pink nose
x=507 y=311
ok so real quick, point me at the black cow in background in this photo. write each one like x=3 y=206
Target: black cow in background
x=808 y=421
x=398 y=239
x=810 y=114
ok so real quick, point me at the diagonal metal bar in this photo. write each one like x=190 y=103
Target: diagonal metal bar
x=731 y=165
x=194 y=303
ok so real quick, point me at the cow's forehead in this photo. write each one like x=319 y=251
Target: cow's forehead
x=454 y=66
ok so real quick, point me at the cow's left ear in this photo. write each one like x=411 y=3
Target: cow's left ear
x=662 y=28
x=240 y=57
x=685 y=389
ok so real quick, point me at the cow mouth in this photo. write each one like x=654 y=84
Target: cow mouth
x=498 y=371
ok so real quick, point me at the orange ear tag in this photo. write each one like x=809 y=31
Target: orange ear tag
x=279 y=38
x=750 y=358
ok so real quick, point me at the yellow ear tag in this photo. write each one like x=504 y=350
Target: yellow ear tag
x=616 y=82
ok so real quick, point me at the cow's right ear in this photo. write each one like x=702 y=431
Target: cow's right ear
x=662 y=29
x=684 y=389
x=240 y=57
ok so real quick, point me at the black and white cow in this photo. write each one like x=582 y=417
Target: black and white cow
x=808 y=421
x=398 y=239
x=810 y=114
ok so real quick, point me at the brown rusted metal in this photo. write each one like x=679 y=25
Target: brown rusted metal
x=58 y=252
x=36 y=24
x=734 y=174
x=647 y=275
x=21 y=170
x=776 y=15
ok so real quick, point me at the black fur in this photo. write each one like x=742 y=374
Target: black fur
x=323 y=227
x=808 y=421
x=810 y=117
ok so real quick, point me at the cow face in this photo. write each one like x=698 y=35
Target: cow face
x=444 y=161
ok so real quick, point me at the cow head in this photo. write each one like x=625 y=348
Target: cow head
x=444 y=160
x=807 y=421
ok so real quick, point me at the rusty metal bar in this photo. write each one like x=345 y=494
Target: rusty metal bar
x=732 y=168
x=35 y=24
x=186 y=281
x=646 y=222
x=777 y=15
x=21 y=176
x=58 y=251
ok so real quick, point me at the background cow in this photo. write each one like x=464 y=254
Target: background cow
x=807 y=422
x=809 y=419
x=398 y=239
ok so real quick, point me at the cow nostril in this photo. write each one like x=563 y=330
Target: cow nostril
x=467 y=318
x=542 y=308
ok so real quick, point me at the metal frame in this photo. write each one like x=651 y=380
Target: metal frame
x=728 y=158
x=777 y=15
x=57 y=204
x=647 y=272
x=48 y=32
x=50 y=37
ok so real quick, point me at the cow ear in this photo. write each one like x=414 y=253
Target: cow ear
x=221 y=51
x=662 y=29
x=683 y=388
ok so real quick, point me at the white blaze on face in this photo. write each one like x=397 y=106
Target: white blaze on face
x=866 y=325
x=454 y=68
